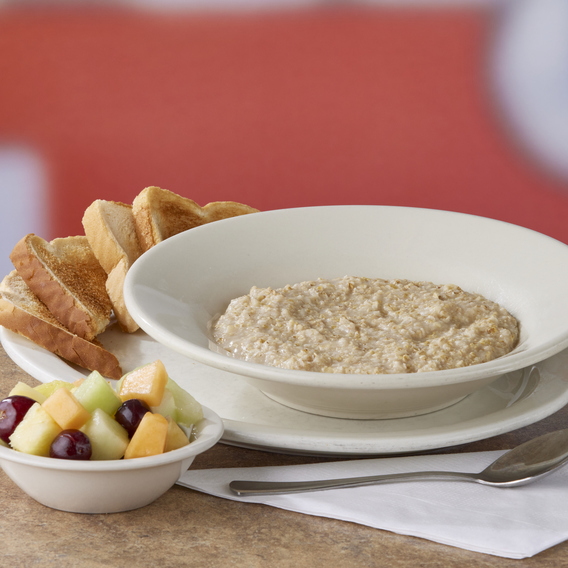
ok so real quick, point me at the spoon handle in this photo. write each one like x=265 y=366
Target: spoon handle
x=276 y=487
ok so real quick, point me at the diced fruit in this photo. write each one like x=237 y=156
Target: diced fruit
x=167 y=407
x=130 y=414
x=118 y=384
x=176 y=437
x=71 y=445
x=108 y=438
x=95 y=392
x=21 y=389
x=146 y=414
x=47 y=389
x=149 y=438
x=189 y=411
x=66 y=410
x=146 y=383
x=12 y=411
x=35 y=432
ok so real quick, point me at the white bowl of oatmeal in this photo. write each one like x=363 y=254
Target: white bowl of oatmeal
x=365 y=312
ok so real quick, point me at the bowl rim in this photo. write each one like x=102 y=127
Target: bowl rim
x=212 y=430
x=516 y=359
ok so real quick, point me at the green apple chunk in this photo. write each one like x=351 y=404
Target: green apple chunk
x=119 y=384
x=95 y=392
x=188 y=410
x=167 y=406
x=108 y=438
x=35 y=432
x=47 y=389
x=21 y=389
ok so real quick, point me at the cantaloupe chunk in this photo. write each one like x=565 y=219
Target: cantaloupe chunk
x=145 y=383
x=176 y=437
x=149 y=438
x=66 y=410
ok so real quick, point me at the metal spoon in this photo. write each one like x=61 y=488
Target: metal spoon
x=518 y=466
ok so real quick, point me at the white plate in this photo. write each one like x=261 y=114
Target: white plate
x=253 y=420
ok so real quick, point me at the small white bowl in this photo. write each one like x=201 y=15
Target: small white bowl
x=175 y=290
x=106 y=486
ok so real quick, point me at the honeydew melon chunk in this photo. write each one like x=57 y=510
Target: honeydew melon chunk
x=189 y=411
x=109 y=439
x=176 y=437
x=21 y=389
x=95 y=392
x=149 y=438
x=146 y=383
x=35 y=432
x=66 y=410
x=47 y=389
x=167 y=407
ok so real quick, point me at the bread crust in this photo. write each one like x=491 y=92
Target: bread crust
x=23 y=313
x=115 y=286
x=217 y=210
x=160 y=214
x=66 y=276
x=111 y=232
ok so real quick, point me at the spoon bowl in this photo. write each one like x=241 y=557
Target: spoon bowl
x=529 y=461
x=521 y=465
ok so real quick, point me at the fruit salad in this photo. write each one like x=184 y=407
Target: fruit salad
x=145 y=414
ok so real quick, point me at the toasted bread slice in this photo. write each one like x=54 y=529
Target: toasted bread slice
x=23 y=313
x=115 y=287
x=160 y=214
x=110 y=229
x=67 y=277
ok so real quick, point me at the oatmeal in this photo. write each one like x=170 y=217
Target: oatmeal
x=366 y=326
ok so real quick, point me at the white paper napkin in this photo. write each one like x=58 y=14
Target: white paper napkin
x=510 y=522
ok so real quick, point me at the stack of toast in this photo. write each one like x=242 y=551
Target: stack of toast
x=62 y=294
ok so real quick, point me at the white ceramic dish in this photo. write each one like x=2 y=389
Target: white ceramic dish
x=253 y=420
x=176 y=289
x=106 y=486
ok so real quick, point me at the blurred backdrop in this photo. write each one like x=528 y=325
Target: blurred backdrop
x=458 y=105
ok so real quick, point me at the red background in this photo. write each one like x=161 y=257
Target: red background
x=372 y=106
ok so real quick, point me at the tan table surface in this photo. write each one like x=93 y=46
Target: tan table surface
x=187 y=528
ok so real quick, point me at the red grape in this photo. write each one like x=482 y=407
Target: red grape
x=71 y=445
x=130 y=413
x=12 y=412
